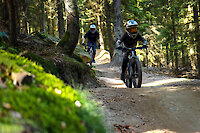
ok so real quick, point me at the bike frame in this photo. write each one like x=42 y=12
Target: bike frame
x=132 y=55
x=133 y=69
x=90 y=51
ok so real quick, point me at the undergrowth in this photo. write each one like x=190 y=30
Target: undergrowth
x=47 y=104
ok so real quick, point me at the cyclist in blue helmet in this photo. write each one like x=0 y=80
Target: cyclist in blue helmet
x=92 y=35
x=130 y=39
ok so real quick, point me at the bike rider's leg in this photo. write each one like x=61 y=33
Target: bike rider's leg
x=124 y=64
x=94 y=51
x=89 y=45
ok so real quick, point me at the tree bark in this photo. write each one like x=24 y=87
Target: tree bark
x=100 y=31
x=197 y=34
x=61 y=26
x=118 y=32
x=109 y=38
x=167 y=54
x=48 y=21
x=71 y=36
x=183 y=55
x=175 y=43
x=172 y=55
x=192 y=55
x=12 y=22
x=24 y=19
x=43 y=17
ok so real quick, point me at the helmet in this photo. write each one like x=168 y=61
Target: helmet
x=132 y=28
x=92 y=28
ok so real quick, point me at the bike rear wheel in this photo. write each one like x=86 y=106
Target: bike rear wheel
x=137 y=74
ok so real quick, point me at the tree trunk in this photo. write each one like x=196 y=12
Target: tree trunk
x=43 y=17
x=61 y=26
x=167 y=54
x=53 y=26
x=192 y=55
x=109 y=38
x=24 y=19
x=12 y=22
x=197 y=34
x=171 y=55
x=5 y=15
x=17 y=16
x=71 y=36
x=118 y=32
x=183 y=56
x=175 y=43
x=100 y=31
x=48 y=22
x=50 y=28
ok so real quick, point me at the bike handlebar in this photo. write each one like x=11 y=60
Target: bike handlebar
x=120 y=48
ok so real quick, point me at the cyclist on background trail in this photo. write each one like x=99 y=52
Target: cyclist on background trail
x=92 y=35
x=130 y=39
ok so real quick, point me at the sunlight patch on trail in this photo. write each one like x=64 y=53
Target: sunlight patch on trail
x=116 y=83
x=103 y=56
x=160 y=131
x=164 y=82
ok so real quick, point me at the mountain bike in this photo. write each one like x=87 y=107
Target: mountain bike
x=90 y=50
x=133 y=73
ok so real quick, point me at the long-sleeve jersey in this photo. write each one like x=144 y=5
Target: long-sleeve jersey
x=92 y=37
x=129 y=41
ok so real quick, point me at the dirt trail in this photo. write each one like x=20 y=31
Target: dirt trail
x=163 y=104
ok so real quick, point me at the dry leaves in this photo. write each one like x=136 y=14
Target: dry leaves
x=123 y=129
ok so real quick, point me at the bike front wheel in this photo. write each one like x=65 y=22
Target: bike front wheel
x=136 y=73
x=128 y=75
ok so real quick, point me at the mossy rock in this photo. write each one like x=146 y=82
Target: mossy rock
x=83 y=54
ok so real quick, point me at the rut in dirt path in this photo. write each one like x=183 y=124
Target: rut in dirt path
x=162 y=104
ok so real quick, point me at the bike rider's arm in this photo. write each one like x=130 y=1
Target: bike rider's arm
x=143 y=40
x=85 y=36
x=119 y=42
x=98 y=38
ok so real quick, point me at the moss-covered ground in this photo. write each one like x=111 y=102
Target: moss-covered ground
x=46 y=104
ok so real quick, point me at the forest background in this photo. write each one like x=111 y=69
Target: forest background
x=170 y=27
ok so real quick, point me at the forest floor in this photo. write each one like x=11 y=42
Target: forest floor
x=163 y=104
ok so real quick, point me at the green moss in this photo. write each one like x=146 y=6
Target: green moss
x=76 y=63
x=47 y=65
x=3 y=45
x=79 y=69
x=78 y=58
x=64 y=39
x=11 y=128
x=47 y=101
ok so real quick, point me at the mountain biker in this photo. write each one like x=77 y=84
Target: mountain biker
x=92 y=35
x=130 y=39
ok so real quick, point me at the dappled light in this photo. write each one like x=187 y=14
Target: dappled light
x=160 y=131
x=57 y=91
x=111 y=82
x=164 y=82
x=159 y=106
x=103 y=56
x=71 y=66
